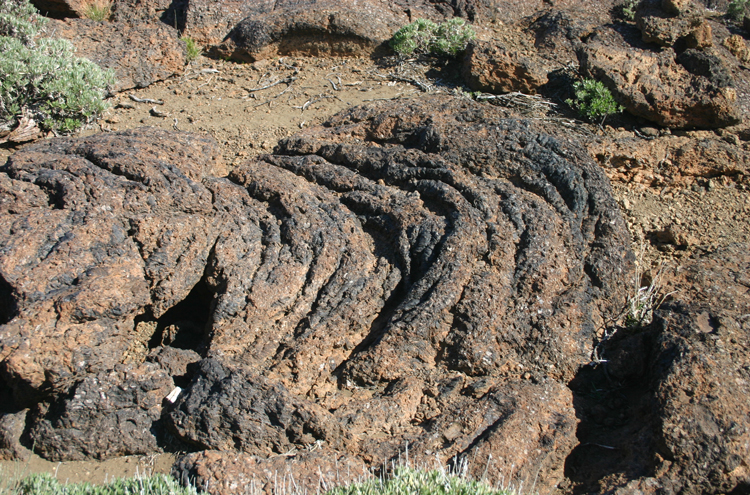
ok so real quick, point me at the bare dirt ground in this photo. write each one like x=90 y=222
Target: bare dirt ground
x=248 y=108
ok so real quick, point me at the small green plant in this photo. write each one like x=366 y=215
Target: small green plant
x=406 y=480
x=98 y=10
x=593 y=100
x=738 y=9
x=628 y=9
x=192 y=49
x=48 y=82
x=448 y=39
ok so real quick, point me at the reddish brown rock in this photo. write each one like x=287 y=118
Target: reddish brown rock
x=654 y=86
x=491 y=68
x=360 y=22
x=704 y=64
x=328 y=29
x=676 y=7
x=387 y=326
x=666 y=22
x=558 y=27
x=671 y=160
x=701 y=37
x=138 y=11
x=558 y=33
x=533 y=429
x=227 y=410
x=738 y=47
x=176 y=362
x=425 y=272
x=140 y=54
x=675 y=415
x=107 y=230
x=701 y=375
x=12 y=426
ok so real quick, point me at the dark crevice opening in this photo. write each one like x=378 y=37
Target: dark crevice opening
x=615 y=405
x=8 y=305
x=184 y=325
x=7 y=403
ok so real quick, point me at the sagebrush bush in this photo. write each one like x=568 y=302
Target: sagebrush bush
x=45 y=484
x=593 y=100
x=42 y=78
x=406 y=480
x=414 y=38
x=19 y=19
x=452 y=37
x=58 y=90
x=448 y=39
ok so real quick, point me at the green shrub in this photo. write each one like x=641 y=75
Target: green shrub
x=628 y=9
x=593 y=100
x=452 y=37
x=407 y=481
x=415 y=37
x=191 y=47
x=49 y=83
x=448 y=39
x=45 y=484
x=19 y=19
x=738 y=9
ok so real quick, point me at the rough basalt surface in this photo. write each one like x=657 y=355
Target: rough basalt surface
x=701 y=375
x=353 y=22
x=672 y=401
x=101 y=236
x=109 y=414
x=670 y=160
x=140 y=53
x=655 y=86
x=425 y=272
x=492 y=68
x=12 y=426
x=316 y=29
x=667 y=22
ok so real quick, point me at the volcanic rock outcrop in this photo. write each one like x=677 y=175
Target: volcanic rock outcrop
x=140 y=53
x=655 y=86
x=426 y=273
x=491 y=67
x=266 y=24
x=672 y=402
x=701 y=375
x=312 y=28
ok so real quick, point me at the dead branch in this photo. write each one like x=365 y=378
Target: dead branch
x=288 y=80
x=146 y=100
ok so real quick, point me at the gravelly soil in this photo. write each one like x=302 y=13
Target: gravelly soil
x=248 y=108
